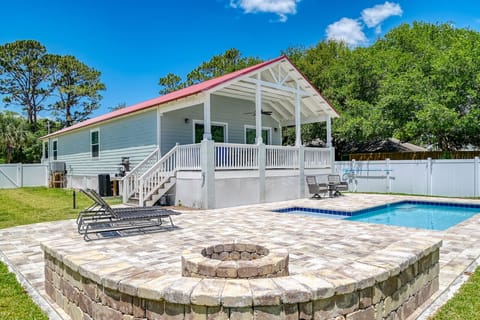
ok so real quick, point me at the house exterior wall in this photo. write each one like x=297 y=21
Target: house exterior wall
x=235 y=188
x=134 y=137
x=236 y=113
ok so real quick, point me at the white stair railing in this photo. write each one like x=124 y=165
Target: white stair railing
x=130 y=180
x=185 y=157
x=153 y=178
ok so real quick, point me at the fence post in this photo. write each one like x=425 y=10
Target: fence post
x=262 y=162
x=353 y=175
x=475 y=176
x=19 y=175
x=389 y=182
x=301 y=171
x=429 y=176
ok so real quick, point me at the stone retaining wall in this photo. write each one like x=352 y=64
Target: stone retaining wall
x=389 y=287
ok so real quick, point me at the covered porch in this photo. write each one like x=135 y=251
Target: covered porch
x=199 y=173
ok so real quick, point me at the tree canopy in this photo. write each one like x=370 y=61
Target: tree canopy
x=419 y=83
x=229 y=61
x=77 y=89
x=35 y=81
x=25 y=77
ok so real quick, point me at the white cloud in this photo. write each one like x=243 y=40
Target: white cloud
x=375 y=15
x=280 y=7
x=348 y=31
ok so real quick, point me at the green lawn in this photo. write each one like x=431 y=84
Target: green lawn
x=465 y=305
x=33 y=205
x=15 y=303
x=26 y=206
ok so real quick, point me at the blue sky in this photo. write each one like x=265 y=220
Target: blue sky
x=134 y=43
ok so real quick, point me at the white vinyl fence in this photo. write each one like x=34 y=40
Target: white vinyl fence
x=23 y=175
x=455 y=178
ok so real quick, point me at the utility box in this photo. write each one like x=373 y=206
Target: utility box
x=104 y=185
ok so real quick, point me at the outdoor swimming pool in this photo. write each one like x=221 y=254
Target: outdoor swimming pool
x=413 y=214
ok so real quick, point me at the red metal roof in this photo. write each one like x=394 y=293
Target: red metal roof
x=179 y=94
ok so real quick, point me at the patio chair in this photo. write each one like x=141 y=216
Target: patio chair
x=100 y=217
x=338 y=185
x=316 y=188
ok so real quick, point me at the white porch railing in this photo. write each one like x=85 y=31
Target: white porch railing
x=188 y=157
x=236 y=156
x=246 y=156
x=280 y=157
x=317 y=158
x=130 y=181
x=146 y=178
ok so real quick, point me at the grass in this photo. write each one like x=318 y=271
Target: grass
x=26 y=206
x=465 y=305
x=15 y=303
x=32 y=205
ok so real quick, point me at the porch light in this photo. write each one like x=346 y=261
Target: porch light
x=186 y=120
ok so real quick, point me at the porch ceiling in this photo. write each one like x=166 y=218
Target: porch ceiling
x=280 y=83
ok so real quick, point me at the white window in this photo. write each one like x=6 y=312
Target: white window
x=251 y=132
x=45 y=150
x=219 y=131
x=55 y=149
x=95 y=143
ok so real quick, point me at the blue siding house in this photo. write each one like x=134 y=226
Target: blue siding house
x=210 y=145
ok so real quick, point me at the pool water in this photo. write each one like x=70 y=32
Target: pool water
x=413 y=214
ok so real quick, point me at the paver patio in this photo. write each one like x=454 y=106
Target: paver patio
x=312 y=242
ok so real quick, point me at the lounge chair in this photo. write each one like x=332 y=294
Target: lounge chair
x=101 y=218
x=338 y=185
x=316 y=188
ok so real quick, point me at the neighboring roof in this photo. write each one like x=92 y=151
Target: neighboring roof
x=179 y=94
x=407 y=146
x=392 y=145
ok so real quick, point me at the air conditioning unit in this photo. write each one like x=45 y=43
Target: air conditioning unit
x=58 y=166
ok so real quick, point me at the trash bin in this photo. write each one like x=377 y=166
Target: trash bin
x=104 y=185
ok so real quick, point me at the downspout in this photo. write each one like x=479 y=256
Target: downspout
x=159 y=132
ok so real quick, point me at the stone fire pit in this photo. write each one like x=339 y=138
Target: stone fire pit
x=235 y=260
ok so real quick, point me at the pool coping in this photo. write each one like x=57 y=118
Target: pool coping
x=382 y=206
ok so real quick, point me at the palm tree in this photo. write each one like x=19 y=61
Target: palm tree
x=13 y=133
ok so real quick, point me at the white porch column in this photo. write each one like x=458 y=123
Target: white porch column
x=207 y=161
x=258 y=113
x=207 y=124
x=329 y=132
x=298 y=127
